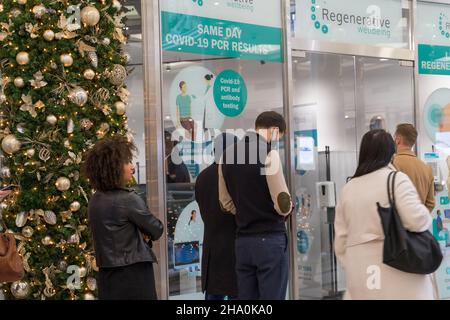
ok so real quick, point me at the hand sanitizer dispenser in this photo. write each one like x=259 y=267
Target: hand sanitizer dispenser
x=326 y=194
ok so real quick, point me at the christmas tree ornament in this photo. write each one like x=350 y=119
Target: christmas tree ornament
x=39 y=11
x=49 y=35
x=118 y=75
x=91 y=283
x=38 y=81
x=106 y=41
x=3 y=36
x=62 y=184
x=15 y=12
x=27 y=232
x=67 y=144
x=2 y=98
x=23 y=58
x=66 y=59
x=44 y=154
x=88 y=296
x=83 y=272
x=93 y=58
x=62 y=265
x=47 y=240
x=19 y=82
x=120 y=108
x=20 y=289
x=10 y=144
x=90 y=16
x=21 y=219
x=78 y=96
x=21 y=127
x=5 y=173
x=22 y=2
x=30 y=153
x=86 y=124
x=70 y=126
x=75 y=238
x=117 y=5
x=32 y=29
x=50 y=217
x=89 y=74
x=51 y=119
x=75 y=206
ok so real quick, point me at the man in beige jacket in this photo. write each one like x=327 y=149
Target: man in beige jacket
x=407 y=162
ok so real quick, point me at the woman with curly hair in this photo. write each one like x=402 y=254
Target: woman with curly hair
x=122 y=226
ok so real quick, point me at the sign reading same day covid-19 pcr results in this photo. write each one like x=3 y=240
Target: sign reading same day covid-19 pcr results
x=247 y=29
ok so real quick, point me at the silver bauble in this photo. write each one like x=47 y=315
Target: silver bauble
x=2 y=98
x=118 y=75
x=90 y=16
x=75 y=206
x=120 y=108
x=89 y=74
x=66 y=59
x=52 y=119
x=30 y=153
x=93 y=58
x=62 y=184
x=50 y=217
x=21 y=219
x=19 y=82
x=10 y=144
x=91 y=283
x=49 y=35
x=78 y=96
x=27 y=232
x=20 y=289
x=23 y=58
x=46 y=241
x=5 y=173
x=21 y=127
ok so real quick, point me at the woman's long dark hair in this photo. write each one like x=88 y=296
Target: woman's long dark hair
x=377 y=150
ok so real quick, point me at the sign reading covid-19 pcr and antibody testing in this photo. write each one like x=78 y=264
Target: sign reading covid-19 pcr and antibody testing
x=247 y=29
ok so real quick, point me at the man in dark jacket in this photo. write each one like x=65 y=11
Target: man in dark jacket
x=218 y=261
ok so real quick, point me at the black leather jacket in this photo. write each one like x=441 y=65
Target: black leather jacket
x=118 y=219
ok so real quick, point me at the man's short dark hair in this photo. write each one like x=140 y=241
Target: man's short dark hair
x=271 y=119
x=408 y=133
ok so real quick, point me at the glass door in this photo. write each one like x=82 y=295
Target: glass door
x=337 y=99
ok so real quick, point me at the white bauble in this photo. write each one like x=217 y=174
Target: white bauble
x=52 y=119
x=78 y=96
x=20 y=289
x=75 y=206
x=89 y=74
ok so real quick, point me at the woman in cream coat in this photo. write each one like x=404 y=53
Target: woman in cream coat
x=359 y=234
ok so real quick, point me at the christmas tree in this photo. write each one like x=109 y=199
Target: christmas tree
x=62 y=73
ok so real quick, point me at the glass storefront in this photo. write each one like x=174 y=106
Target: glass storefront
x=334 y=69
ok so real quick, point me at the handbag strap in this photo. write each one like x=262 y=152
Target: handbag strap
x=391 y=188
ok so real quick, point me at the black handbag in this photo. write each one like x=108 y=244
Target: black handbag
x=412 y=252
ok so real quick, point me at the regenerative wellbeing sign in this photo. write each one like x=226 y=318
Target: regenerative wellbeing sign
x=247 y=29
x=361 y=22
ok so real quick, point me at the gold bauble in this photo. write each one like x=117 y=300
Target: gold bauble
x=10 y=144
x=75 y=206
x=19 y=82
x=89 y=74
x=62 y=184
x=22 y=1
x=120 y=108
x=66 y=59
x=49 y=35
x=39 y=10
x=46 y=241
x=90 y=16
x=23 y=58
